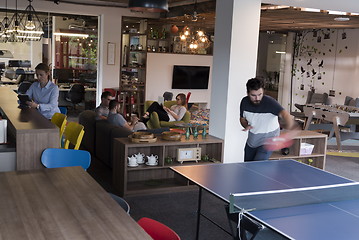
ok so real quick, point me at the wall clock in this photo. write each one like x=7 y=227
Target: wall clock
x=188 y=154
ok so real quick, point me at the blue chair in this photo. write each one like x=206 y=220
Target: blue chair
x=63 y=110
x=59 y=157
x=122 y=202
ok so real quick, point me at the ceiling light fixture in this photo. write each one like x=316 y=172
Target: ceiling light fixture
x=336 y=12
x=310 y=10
x=72 y=34
x=33 y=27
x=341 y=19
x=148 y=5
x=14 y=26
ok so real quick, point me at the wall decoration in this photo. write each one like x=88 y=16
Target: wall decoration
x=321 y=63
x=111 y=50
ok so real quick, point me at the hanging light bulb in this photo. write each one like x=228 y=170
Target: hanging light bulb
x=30 y=24
x=186 y=31
x=203 y=39
x=183 y=37
x=200 y=33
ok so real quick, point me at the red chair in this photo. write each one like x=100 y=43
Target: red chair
x=112 y=91
x=187 y=98
x=157 y=230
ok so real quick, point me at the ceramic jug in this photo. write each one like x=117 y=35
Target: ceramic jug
x=140 y=157
x=152 y=160
x=132 y=161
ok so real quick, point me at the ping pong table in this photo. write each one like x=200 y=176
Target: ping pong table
x=336 y=219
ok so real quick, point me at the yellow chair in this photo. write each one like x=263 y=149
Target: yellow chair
x=59 y=120
x=74 y=133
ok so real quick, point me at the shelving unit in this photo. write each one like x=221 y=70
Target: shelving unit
x=133 y=68
x=139 y=37
x=142 y=179
x=318 y=155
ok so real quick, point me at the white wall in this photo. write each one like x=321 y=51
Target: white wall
x=23 y=51
x=340 y=64
x=159 y=69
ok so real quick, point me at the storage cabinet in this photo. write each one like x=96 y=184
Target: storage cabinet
x=141 y=179
x=318 y=155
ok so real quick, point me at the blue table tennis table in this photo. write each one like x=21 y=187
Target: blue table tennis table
x=337 y=219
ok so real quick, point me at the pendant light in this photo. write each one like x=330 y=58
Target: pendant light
x=148 y=5
x=14 y=27
x=33 y=27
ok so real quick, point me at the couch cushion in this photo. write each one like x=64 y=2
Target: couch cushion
x=105 y=133
x=87 y=118
x=103 y=140
x=117 y=132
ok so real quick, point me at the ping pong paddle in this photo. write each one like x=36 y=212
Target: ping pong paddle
x=284 y=140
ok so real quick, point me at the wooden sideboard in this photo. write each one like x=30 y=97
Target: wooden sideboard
x=142 y=179
x=28 y=130
x=318 y=155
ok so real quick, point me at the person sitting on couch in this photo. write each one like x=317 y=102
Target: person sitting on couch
x=102 y=110
x=175 y=113
x=115 y=118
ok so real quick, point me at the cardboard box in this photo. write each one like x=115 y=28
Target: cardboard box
x=306 y=149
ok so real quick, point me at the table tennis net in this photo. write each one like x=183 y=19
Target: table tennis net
x=246 y=202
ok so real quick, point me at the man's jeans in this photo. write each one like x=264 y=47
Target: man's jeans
x=256 y=154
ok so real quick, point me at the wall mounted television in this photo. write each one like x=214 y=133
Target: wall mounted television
x=190 y=77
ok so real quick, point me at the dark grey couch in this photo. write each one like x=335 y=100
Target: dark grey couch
x=99 y=135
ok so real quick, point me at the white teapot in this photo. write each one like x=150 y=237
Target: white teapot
x=152 y=160
x=140 y=157
x=132 y=161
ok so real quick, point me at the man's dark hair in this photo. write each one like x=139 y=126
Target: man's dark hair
x=254 y=84
x=106 y=94
x=112 y=104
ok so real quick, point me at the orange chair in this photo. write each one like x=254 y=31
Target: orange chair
x=157 y=230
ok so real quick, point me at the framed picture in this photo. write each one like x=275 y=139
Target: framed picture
x=111 y=50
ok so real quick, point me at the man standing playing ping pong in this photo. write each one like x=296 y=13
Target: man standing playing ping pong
x=259 y=116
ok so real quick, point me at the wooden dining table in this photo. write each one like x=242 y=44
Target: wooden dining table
x=61 y=203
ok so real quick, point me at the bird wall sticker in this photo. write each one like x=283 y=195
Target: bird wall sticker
x=310 y=62
x=320 y=65
x=313 y=72
x=302 y=70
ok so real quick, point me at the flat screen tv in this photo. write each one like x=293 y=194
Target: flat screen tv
x=190 y=77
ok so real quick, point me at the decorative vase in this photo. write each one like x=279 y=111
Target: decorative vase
x=285 y=151
x=174 y=29
x=204 y=132
x=187 y=134
x=195 y=132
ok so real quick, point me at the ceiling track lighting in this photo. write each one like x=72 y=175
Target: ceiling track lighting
x=148 y=5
